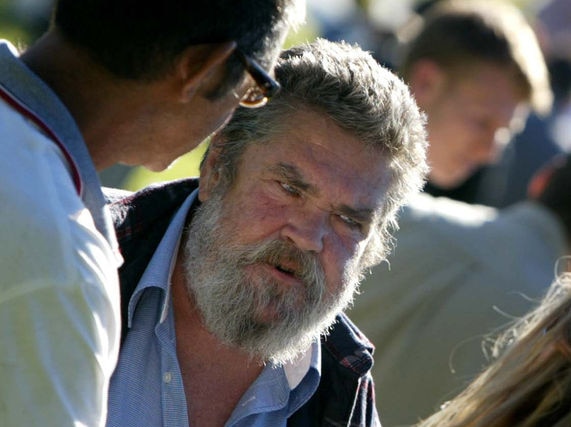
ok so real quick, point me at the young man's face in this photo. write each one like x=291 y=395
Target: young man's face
x=469 y=121
x=287 y=236
x=182 y=110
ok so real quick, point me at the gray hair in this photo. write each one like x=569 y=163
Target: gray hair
x=362 y=97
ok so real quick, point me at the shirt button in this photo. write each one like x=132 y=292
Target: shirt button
x=167 y=377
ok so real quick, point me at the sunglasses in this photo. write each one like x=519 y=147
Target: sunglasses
x=265 y=88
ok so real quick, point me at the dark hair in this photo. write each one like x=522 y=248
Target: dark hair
x=141 y=39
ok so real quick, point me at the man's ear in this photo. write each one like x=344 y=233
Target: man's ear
x=210 y=170
x=552 y=180
x=199 y=63
x=426 y=80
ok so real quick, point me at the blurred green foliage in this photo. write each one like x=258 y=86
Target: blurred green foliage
x=22 y=21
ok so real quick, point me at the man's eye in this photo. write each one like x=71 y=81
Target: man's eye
x=350 y=221
x=290 y=189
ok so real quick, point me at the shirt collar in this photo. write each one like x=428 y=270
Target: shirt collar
x=286 y=387
x=158 y=272
x=296 y=370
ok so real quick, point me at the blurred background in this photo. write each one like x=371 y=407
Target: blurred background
x=370 y=23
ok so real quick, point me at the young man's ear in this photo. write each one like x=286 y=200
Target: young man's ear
x=210 y=169
x=426 y=80
x=199 y=63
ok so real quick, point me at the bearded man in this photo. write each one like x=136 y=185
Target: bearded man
x=234 y=285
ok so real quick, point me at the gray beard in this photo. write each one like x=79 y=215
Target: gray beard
x=231 y=301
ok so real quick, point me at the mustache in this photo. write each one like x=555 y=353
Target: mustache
x=286 y=257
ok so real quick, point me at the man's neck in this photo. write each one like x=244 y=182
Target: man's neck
x=99 y=102
x=215 y=376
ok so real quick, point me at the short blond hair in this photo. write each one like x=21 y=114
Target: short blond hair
x=458 y=34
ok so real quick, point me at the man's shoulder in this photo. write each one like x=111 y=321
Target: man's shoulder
x=348 y=347
x=140 y=220
x=133 y=212
x=429 y=209
x=37 y=187
x=346 y=363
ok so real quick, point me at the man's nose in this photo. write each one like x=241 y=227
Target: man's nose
x=307 y=229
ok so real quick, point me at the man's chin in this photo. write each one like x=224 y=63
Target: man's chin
x=452 y=180
x=276 y=342
x=272 y=317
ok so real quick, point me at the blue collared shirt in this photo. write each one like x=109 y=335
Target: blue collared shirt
x=146 y=389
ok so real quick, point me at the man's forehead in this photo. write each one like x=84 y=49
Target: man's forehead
x=347 y=184
x=312 y=146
